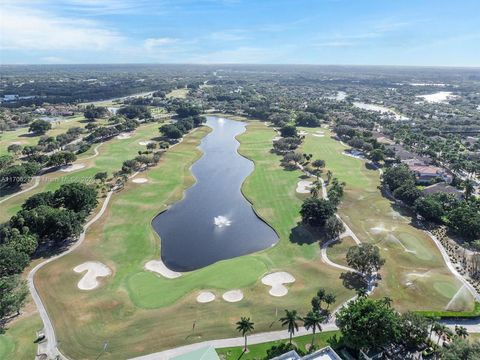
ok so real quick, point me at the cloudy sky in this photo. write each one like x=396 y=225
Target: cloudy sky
x=390 y=32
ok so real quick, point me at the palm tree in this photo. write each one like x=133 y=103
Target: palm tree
x=440 y=330
x=329 y=299
x=245 y=326
x=329 y=176
x=313 y=321
x=316 y=189
x=362 y=292
x=290 y=320
x=461 y=332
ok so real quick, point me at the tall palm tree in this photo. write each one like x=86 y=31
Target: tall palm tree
x=461 y=332
x=440 y=330
x=290 y=320
x=329 y=176
x=245 y=326
x=316 y=189
x=329 y=299
x=313 y=321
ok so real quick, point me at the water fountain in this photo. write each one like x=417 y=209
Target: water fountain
x=221 y=221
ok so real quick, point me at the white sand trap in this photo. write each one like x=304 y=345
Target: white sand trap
x=145 y=143
x=319 y=135
x=233 y=296
x=303 y=133
x=124 y=136
x=94 y=269
x=157 y=266
x=140 y=180
x=378 y=229
x=303 y=187
x=276 y=281
x=205 y=297
x=73 y=167
x=276 y=138
x=16 y=143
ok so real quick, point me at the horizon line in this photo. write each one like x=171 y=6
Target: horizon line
x=251 y=64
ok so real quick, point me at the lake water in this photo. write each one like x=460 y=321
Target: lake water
x=380 y=109
x=214 y=221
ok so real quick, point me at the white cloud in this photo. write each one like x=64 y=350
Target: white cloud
x=53 y=60
x=153 y=43
x=24 y=29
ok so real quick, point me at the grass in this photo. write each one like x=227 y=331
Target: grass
x=473 y=314
x=415 y=275
x=111 y=156
x=178 y=93
x=18 y=341
x=259 y=351
x=337 y=252
x=133 y=307
x=23 y=137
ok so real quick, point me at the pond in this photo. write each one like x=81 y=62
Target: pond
x=213 y=221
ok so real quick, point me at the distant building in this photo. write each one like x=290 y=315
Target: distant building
x=427 y=173
x=327 y=353
x=443 y=188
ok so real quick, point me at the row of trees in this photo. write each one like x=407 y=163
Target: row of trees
x=176 y=130
x=46 y=219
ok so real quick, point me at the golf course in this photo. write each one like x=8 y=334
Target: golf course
x=130 y=303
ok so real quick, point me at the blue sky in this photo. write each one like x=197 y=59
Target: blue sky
x=363 y=32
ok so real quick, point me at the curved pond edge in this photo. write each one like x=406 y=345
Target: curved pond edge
x=169 y=205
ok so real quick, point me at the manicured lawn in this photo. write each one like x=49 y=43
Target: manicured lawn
x=259 y=351
x=18 y=341
x=140 y=312
x=178 y=93
x=111 y=156
x=414 y=275
x=337 y=252
x=23 y=137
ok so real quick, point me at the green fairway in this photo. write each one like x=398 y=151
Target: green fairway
x=111 y=156
x=18 y=341
x=178 y=93
x=414 y=275
x=259 y=351
x=23 y=137
x=133 y=304
x=337 y=251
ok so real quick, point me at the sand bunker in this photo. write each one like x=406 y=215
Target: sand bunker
x=233 y=296
x=276 y=138
x=94 y=269
x=145 y=143
x=205 y=297
x=124 y=136
x=303 y=187
x=276 y=281
x=73 y=167
x=319 y=135
x=157 y=266
x=303 y=133
x=140 y=180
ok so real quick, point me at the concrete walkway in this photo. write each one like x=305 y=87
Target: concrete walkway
x=49 y=346
x=35 y=184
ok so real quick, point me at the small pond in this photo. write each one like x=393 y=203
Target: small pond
x=213 y=221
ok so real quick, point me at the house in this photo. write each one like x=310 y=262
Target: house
x=204 y=353
x=326 y=353
x=443 y=188
x=427 y=173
